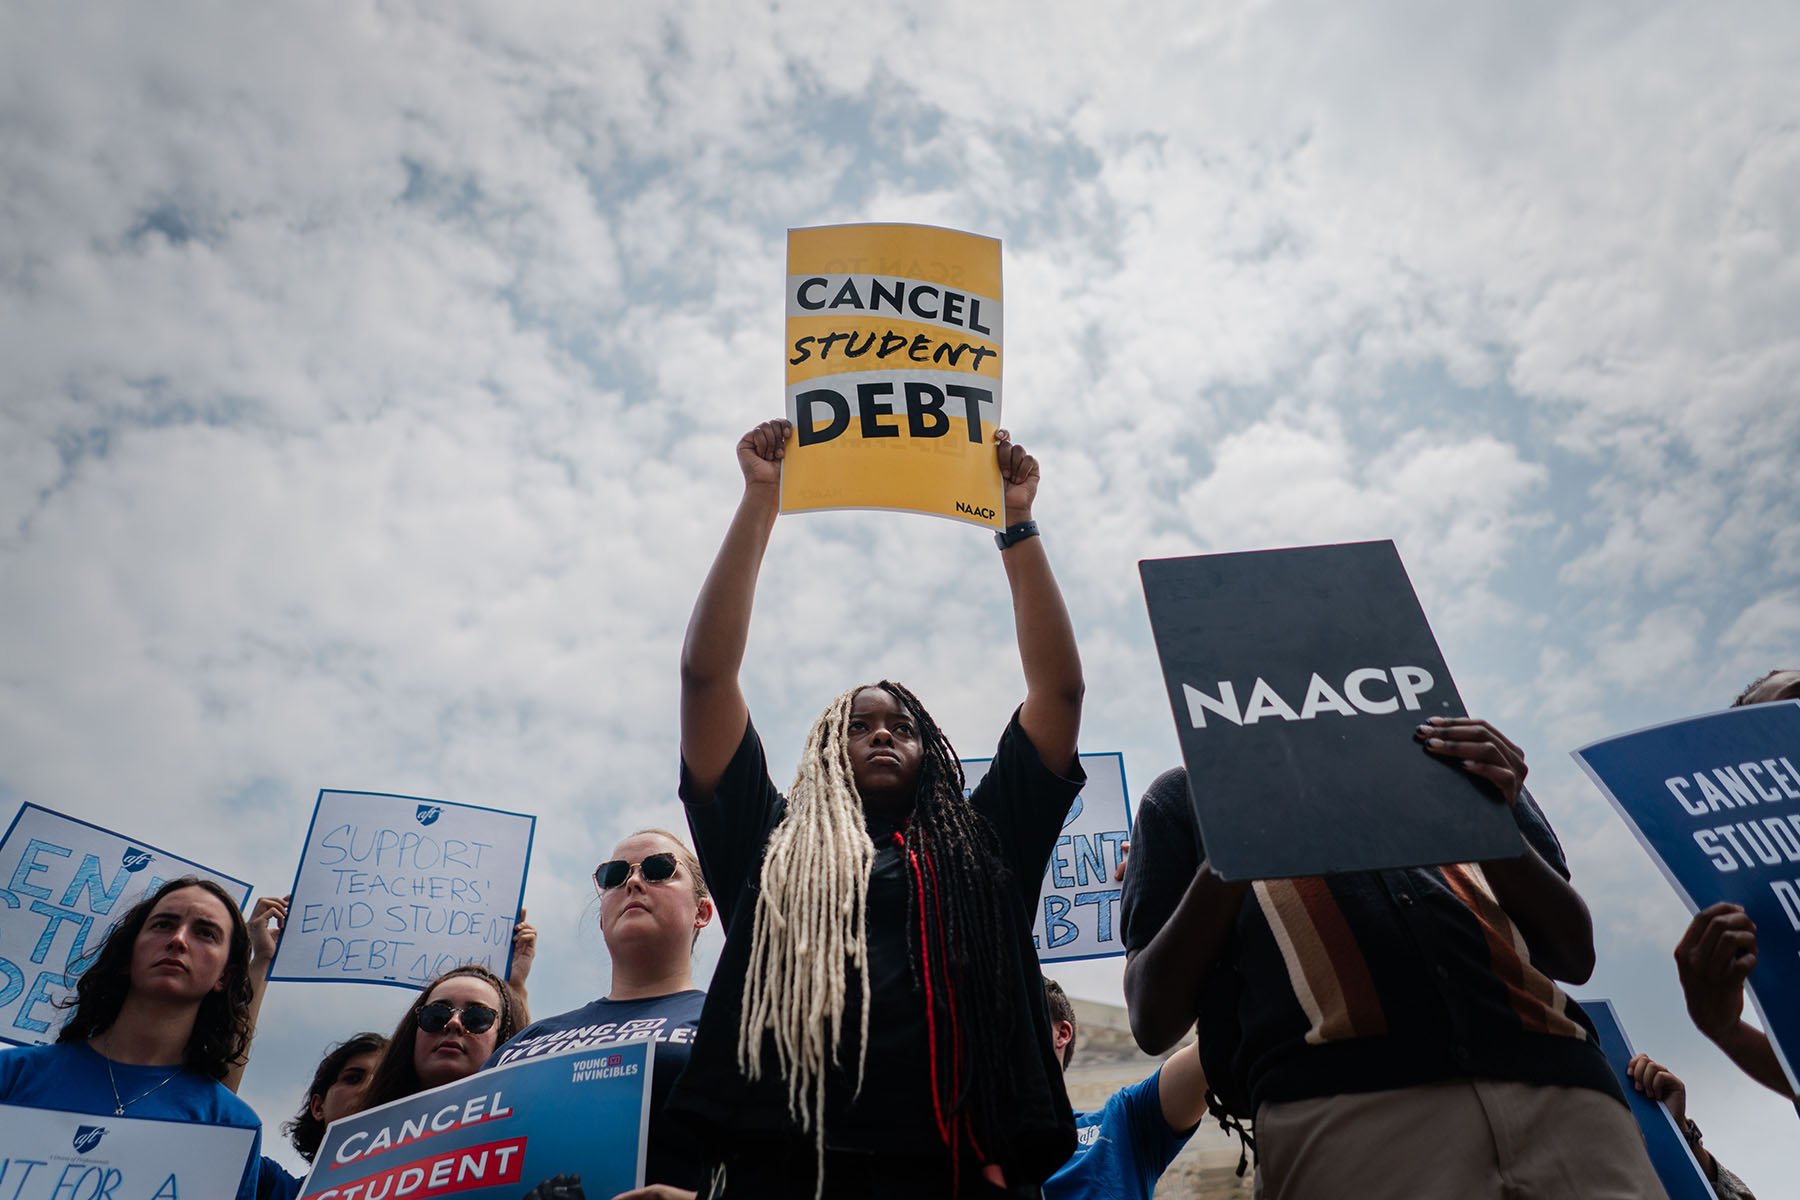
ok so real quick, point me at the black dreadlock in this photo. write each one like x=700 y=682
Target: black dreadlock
x=1750 y=690
x=960 y=901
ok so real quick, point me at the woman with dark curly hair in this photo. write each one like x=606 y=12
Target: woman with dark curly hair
x=454 y=1024
x=336 y=1091
x=160 y=1017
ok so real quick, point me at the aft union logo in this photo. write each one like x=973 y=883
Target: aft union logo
x=428 y=813
x=87 y=1137
x=135 y=860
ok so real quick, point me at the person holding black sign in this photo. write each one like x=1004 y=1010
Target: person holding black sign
x=1717 y=951
x=160 y=1017
x=1392 y=1033
x=653 y=905
x=876 y=1026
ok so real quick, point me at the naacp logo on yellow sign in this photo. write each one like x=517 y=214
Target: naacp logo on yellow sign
x=893 y=371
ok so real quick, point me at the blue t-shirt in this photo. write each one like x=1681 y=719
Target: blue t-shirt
x=1121 y=1151
x=274 y=1183
x=670 y=1021
x=72 y=1076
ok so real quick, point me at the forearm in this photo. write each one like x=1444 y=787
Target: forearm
x=713 y=713
x=719 y=629
x=1548 y=911
x=1047 y=653
x=519 y=1000
x=1749 y=1048
x=258 y=974
x=1163 y=980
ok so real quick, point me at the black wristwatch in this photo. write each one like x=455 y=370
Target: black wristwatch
x=1012 y=535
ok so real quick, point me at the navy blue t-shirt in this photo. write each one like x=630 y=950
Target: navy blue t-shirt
x=1122 y=1150
x=668 y=1020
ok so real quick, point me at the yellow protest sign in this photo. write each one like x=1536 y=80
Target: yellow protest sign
x=893 y=371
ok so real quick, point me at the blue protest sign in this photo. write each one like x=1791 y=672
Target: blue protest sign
x=63 y=885
x=1674 y=1161
x=499 y=1133
x=1715 y=799
x=1078 y=907
x=397 y=890
x=47 y=1154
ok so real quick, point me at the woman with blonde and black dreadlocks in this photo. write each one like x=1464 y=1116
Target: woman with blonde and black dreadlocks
x=876 y=1026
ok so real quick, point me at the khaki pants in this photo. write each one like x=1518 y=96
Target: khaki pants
x=1465 y=1138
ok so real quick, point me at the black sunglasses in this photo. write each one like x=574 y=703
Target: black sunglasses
x=655 y=869
x=476 y=1018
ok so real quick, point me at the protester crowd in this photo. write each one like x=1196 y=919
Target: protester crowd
x=877 y=1024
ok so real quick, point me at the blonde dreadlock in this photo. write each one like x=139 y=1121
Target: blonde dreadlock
x=810 y=925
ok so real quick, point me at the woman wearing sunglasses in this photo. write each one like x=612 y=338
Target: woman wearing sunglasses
x=653 y=905
x=450 y=1030
x=876 y=1026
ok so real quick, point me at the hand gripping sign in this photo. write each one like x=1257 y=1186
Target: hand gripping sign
x=1675 y=1164
x=397 y=890
x=1297 y=678
x=47 y=1154
x=1715 y=799
x=893 y=371
x=63 y=885
x=1078 y=907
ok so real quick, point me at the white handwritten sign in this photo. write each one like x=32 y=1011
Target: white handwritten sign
x=47 y=1154
x=397 y=890
x=63 y=885
x=1078 y=909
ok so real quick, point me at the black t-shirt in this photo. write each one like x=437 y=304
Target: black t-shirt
x=671 y=1021
x=1025 y=802
x=1364 y=981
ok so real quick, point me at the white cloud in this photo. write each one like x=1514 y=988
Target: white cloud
x=372 y=373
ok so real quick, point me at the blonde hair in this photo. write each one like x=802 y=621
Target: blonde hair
x=810 y=925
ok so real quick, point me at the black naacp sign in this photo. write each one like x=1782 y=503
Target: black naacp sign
x=1297 y=678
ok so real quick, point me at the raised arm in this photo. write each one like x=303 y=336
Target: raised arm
x=1545 y=906
x=524 y=947
x=1051 y=714
x=1163 y=980
x=1182 y=1089
x=265 y=923
x=713 y=712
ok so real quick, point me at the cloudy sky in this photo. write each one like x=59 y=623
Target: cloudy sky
x=372 y=372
